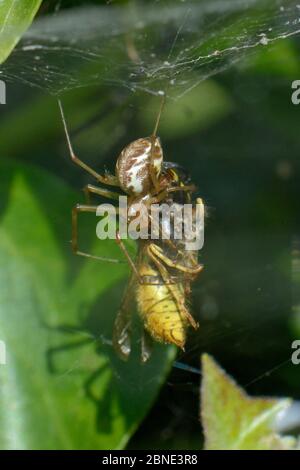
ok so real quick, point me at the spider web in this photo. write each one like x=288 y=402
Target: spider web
x=149 y=47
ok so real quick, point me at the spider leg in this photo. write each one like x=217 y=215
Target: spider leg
x=106 y=179
x=128 y=257
x=91 y=189
x=153 y=173
x=76 y=210
x=86 y=208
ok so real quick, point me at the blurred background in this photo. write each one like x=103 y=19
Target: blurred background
x=227 y=70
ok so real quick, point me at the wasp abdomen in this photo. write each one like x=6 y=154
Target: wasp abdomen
x=160 y=313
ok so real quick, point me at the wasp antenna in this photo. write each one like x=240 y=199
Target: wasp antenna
x=66 y=128
x=162 y=103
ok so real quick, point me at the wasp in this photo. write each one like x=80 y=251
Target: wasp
x=166 y=271
x=162 y=271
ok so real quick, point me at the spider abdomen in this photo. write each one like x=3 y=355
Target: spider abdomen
x=134 y=165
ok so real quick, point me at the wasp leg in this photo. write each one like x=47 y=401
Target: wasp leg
x=84 y=208
x=161 y=195
x=157 y=251
x=106 y=179
x=178 y=298
x=186 y=188
x=122 y=325
x=91 y=189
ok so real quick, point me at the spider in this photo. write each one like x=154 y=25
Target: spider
x=144 y=177
x=138 y=174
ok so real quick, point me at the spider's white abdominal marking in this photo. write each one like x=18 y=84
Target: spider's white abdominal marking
x=133 y=165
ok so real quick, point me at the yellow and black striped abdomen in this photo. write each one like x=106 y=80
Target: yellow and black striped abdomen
x=159 y=310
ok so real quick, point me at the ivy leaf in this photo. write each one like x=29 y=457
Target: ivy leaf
x=62 y=386
x=15 y=17
x=233 y=420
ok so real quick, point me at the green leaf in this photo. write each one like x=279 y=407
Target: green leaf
x=233 y=420
x=63 y=386
x=15 y=17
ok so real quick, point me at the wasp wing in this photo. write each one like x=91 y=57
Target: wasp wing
x=123 y=322
x=146 y=346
